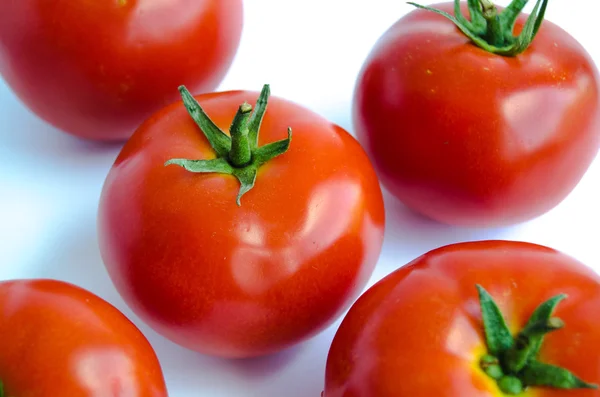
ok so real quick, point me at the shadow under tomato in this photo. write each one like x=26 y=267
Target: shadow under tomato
x=76 y=259
x=73 y=256
x=25 y=137
x=296 y=372
x=260 y=367
x=410 y=234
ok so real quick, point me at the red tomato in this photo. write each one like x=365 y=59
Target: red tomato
x=97 y=69
x=250 y=279
x=57 y=339
x=468 y=137
x=419 y=331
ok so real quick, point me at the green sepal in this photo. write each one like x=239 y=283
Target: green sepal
x=542 y=313
x=463 y=28
x=529 y=341
x=458 y=14
x=274 y=149
x=497 y=335
x=531 y=27
x=219 y=141
x=247 y=178
x=257 y=116
x=218 y=165
x=541 y=374
x=477 y=20
x=511 y=13
x=524 y=348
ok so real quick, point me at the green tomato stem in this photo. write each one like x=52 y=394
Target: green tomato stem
x=488 y=8
x=241 y=152
x=238 y=155
x=493 y=31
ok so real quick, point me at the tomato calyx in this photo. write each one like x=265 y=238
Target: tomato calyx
x=513 y=361
x=238 y=153
x=492 y=30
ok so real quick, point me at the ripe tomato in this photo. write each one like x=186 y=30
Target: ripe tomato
x=57 y=339
x=419 y=332
x=470 y=137
x=97 y=69
x=248 y=278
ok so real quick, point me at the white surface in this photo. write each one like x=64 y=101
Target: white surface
x=309 y=51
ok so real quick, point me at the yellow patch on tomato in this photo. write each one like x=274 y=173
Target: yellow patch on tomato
x=487 y=383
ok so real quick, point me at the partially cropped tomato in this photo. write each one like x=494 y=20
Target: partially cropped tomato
x=474 y=319
x=97 y=69
x=240 y=244
x=57 y=339
x=483 y=130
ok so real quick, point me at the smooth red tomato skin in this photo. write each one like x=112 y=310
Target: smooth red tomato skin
x=470 y=138
x=250 y=280
x=97 y=69
x=418 y=332
x=57 y=339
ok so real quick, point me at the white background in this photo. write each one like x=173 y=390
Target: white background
x=310 y=51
